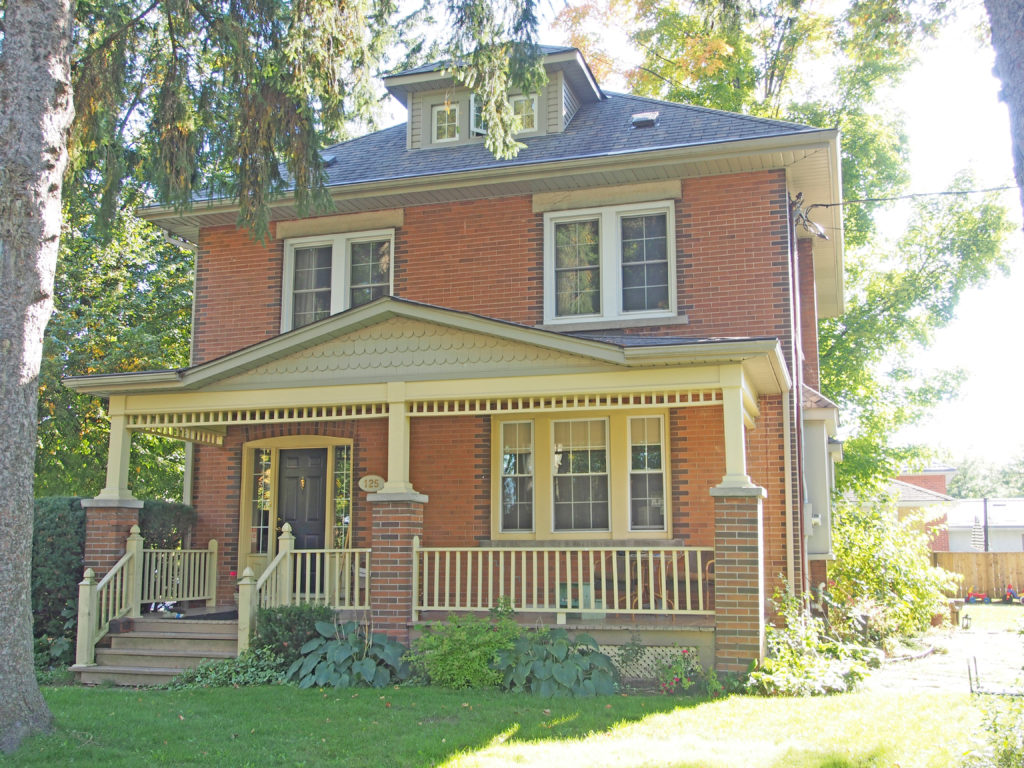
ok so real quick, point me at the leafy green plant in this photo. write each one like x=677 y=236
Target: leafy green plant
x=165 y=524
x=550 y=663
x=256 y=666
x=285 y=629
x=58 y=543
x=802 y=660
x=344 y=655
x=1004 y=726
x=461 y=652
x=681 y=672
x=882 y=577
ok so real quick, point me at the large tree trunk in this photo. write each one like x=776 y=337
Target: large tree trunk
x=35 y=114
x=1007 y=20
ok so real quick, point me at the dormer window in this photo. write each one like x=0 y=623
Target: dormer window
x=523 y=107
x=445 y=122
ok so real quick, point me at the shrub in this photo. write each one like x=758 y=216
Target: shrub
x=883 y=572
x=58 y=544
x=165 y=524
x=256 y=666
x=343 y=656
x=802 y=660
x=284 y=630
x=548 y=662
x=461 y=652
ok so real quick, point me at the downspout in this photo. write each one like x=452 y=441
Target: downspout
x=190 y=447
x=787 y=463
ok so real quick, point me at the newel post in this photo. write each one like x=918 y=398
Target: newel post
x=246 y=594
x=211 y=574
x=285 y=545
x=85 y=651
x=133 y=547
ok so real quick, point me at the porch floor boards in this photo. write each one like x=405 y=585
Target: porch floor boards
x=154 y=650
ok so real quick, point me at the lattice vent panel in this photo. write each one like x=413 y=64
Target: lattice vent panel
x=643 y=662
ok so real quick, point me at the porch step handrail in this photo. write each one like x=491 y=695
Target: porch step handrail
x=651 y=580
x=141 y=576
x=103 y=602
x=337 y=578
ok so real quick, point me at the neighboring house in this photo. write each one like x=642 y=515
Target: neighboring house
x=583 y=379
x=986 y=525
x=924 y=493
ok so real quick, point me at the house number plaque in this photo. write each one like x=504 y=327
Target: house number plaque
x=371 y=483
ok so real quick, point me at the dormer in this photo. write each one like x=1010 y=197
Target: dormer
x=442 y=113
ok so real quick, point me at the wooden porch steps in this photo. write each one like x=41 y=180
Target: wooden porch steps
x=154 y=650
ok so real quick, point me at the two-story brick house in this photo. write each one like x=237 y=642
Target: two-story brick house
x=583 y=379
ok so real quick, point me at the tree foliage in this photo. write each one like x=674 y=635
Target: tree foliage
x=976 y=480
x=122 y=302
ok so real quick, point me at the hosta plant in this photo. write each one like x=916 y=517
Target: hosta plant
x=343 y=656
x=550 y=663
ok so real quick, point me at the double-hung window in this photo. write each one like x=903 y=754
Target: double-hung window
x=603 y=476
x=610 y=263
x=324 y=275
x=524 y=107
x=445 y=122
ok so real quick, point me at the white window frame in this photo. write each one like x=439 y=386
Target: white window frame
x=451 y=107
x=533 y=475
x=663 y=472
x=475 y=129
x=618 y=436
x=607 y=472
x=340 y=268
x=610 y=260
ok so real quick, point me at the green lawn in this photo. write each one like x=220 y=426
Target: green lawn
x=283 y=726
x=995 y=616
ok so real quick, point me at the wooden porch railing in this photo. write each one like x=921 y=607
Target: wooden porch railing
x=141 y=576
x=339 y=578
x=562 y=580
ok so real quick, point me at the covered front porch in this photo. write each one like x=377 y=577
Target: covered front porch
x=401 y=413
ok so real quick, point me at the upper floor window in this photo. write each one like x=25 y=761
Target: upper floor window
x=445 y=119
x=523 y=107
x=610 y=263
x=327 y=274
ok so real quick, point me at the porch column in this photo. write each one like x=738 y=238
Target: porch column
x=395 y=522
x=734 y=417
x=739 y=577
x=398 y=442
x=118 y=454
x=108 y=523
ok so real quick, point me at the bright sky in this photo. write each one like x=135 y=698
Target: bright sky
x=955 y=120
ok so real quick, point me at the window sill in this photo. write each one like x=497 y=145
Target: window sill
x=622 y=322
x=593 y=543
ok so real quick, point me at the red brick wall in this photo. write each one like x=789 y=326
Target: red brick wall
x=450 y=463
x=739 y=584
x=482 y=256
x=765 y=453
x=486 y=256
x=237 y=292
x=697 y=445
x=932 y=482
x=938 y=530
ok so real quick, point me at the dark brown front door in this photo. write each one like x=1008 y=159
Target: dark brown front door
x=303 y=495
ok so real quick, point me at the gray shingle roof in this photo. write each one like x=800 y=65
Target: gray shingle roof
x=436 y=66
x=598 y=129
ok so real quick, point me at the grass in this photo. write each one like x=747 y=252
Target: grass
x=995 y=616
x=283 y=726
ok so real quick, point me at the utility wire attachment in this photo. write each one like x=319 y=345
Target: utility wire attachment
x=801 y=216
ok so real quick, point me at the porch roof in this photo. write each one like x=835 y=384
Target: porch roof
x=274 y=363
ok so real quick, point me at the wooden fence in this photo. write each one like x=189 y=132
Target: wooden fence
x=987 y=572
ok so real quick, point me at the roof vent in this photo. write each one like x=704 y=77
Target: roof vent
x=645 y=119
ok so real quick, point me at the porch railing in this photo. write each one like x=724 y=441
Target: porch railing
x=563 y=580
x=141 y=576
x=338 y=578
